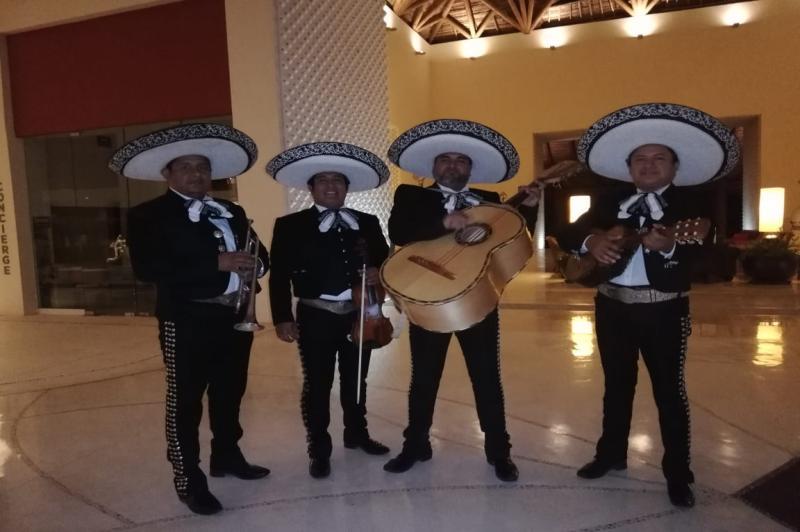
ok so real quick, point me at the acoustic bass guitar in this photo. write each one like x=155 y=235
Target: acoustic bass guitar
x=452 y=282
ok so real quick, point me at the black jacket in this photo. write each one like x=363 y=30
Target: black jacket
x=305 y=259
x=178 y=255
x=669 y=275
x=418 y=213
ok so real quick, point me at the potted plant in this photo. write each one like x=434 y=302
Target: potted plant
x=770 y=260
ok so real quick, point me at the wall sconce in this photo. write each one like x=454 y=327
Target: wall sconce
x=577 y=206
x=735 y=16
x=473 y=48
x=416 y=43
x=639 y=26
x=388 y=19
x=770 y=209
x=553 y=37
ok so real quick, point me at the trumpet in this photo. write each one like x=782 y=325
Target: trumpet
x=246 y=296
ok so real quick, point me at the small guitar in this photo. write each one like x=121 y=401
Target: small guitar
x=585 y=270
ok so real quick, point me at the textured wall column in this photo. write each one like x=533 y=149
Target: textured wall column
x=334 y=83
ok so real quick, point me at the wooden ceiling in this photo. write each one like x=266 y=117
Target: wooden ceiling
x=440 y=21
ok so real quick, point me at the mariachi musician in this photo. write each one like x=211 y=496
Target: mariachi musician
x=454 y=153
x=320 y=252
x=660 y=150
x=188 y=243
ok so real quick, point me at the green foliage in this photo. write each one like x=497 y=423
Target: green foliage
x=775 y=248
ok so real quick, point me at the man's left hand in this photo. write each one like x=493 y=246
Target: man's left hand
x=534 y=195
x=658 y=240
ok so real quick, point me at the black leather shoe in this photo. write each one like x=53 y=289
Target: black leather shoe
x=505 y=469
x=405 y=460
x=319 y=467
x=368 y=445
x=598 y=468
x=680 y=494
x=201 y=502
x=239 y=469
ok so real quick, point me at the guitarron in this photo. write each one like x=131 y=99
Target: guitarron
x=452 y=282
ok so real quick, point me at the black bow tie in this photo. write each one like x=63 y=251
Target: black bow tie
x=647 y=205
x=460 y=200
x=337 y=219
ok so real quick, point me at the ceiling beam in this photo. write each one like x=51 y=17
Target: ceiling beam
x=492 y=4
x=473 y=27
x=482 y=25
x=459 y=27
x=540 y=10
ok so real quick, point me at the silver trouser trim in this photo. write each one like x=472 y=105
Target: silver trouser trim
x=337 y=307
x=168 y=340
x=629 y=295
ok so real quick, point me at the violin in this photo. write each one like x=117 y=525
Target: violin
x=371 y=328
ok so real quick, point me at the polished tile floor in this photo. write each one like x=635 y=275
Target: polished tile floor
x=82 y=446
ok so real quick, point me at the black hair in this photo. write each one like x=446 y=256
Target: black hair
x=674 y=155
x=310 y=181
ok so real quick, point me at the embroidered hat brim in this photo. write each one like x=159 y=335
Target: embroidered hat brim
x=229 y=151
x=295 y=166
x=494 y=158
x=706 y=148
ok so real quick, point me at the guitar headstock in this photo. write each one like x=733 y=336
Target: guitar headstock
x=692 y=230
x=559 y=173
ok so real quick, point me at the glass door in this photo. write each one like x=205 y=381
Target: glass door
x=79 y=216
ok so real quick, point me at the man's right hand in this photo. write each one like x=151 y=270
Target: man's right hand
x=455 y=221
x=287 y=331
x=605 y=248
x=235 y=261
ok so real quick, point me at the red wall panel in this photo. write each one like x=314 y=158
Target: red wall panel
x=152 y=65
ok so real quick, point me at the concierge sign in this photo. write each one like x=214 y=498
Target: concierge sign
x=5 y=255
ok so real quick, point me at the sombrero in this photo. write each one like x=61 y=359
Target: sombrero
x=494 y=158
x=230 y=151
x=295 y=166
x=706 y=148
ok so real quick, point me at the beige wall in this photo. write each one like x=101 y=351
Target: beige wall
x=523 y=89
x=255 y=99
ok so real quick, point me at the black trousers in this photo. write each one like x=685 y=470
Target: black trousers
x=323 y=336
x=202 y=351
x=481 y=349
x=660 y=332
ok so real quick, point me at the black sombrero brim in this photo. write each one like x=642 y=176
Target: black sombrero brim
x=706 y=148
x=229 y=151
x=295 y=166
x=494 y=158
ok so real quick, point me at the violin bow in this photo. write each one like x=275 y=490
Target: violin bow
x=361 y=329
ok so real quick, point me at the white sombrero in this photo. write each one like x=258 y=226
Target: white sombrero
x=494 y=158
x=230 y=151
x=706 y=148
x=295 y=166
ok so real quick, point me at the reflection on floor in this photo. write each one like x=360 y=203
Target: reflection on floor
x=82 y=446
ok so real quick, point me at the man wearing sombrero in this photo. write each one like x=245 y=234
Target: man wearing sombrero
x=186 y=243
x=644 y=306
x=454 y=153
x=319 y=252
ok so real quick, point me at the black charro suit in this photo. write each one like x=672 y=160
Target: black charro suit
x=658 y=330
x=418 y=214
x=200 y=347
x=312 y=263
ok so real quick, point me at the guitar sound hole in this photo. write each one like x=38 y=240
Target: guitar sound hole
x=473 y=234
